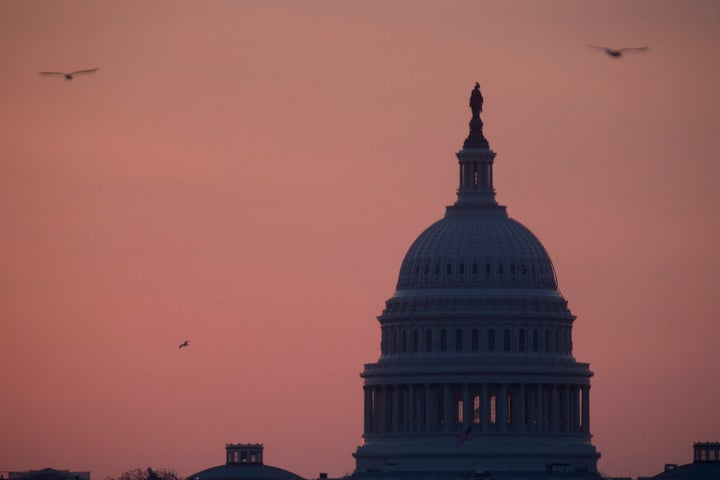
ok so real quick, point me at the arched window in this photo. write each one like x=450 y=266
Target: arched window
x=415 y=341
x=535 y=341
x=521 y=340
x=428 y=340
x=475 y=340
x=404 y=341
x=443 y=340
x=547 y=341
x=507 y=340
x=458 y=340
x=491 y=340
x=557 y=341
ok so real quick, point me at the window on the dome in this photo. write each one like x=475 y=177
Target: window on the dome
x=547 y=341
x=443 y=340
x=475 y=340
x=491 y=340
x=557 y=341
x=458 y=340
x=507 y=340
x=493 y=409
x=521 y=340
x=428 y=340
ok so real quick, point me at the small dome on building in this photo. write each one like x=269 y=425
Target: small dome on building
x=244 y=461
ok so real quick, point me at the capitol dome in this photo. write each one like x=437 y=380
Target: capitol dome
x=476 y=248
x=476 y=370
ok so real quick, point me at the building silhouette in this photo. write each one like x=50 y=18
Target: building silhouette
x=244 y=461
x=705 y=465
x=476 y=374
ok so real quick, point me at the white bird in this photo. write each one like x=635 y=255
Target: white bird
x=69 y=76
x=184 y=344
x=618 y=53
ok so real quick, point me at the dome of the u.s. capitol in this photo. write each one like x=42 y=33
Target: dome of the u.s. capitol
x=476 y=370
x=476 y=249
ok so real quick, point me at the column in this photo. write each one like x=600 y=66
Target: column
x=566 y=408
x=448 y=420
x=428 y=409
x=542 y=408
x=396 y=409
x=410 y=425
x=576 y=409
x=383 y=408
x=556 y=409
x=501 y=408
x=484 y=408
x=586 y=409
x=367 y=390
x=377 y=420
x=467 y=407
x=522 y=409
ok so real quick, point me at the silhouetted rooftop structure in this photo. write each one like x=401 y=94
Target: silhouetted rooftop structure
x=244 y=461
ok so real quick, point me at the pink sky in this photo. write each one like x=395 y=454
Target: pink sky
x=249 y=175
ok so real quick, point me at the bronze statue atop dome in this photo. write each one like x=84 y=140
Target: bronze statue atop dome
x=476 y=139
x=476 y=101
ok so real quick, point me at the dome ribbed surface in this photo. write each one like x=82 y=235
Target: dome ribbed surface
x=244 y=471
x=476 y=248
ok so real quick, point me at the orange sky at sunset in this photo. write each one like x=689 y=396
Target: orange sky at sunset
x=249 y=174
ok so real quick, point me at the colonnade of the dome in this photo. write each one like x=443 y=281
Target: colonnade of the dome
x=477 y=408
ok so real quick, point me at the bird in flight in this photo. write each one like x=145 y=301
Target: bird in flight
x=619 y=52
x=70 y=75
x=184 y=344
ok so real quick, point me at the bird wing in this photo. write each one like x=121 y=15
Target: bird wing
x=631 y=49
x=90 y=70
x=595 y=46
x=51 y=73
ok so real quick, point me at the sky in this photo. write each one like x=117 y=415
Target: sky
x=248 y=175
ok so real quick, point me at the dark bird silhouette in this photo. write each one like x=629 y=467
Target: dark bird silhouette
x=184 y=344
x=619 y=52
x=70 y=75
